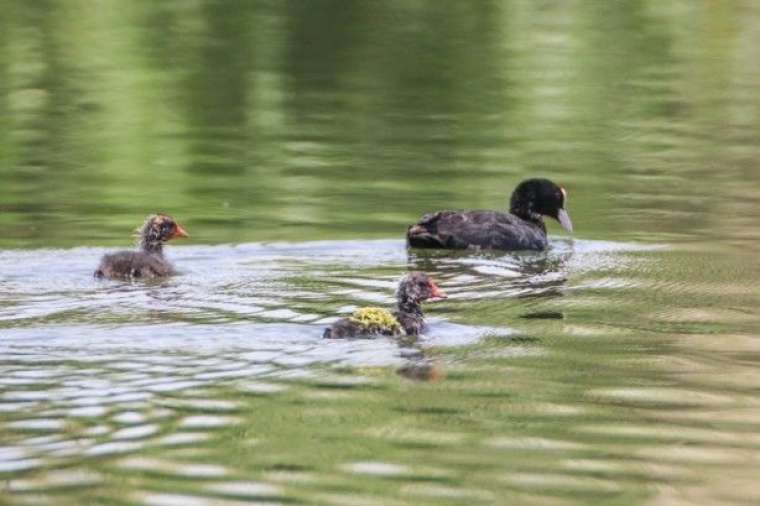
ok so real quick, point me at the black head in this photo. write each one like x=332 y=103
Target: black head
x=417 y=286
x=157 y=229
x=534 y=198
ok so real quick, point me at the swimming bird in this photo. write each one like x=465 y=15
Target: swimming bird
x=522 y=228
x=148 y=261
x=406 y=319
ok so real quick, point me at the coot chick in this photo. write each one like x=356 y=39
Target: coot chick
x=522 y=228
x=406 y=319
x=149 y=261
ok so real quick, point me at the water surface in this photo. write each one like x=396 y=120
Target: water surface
x=296 y=141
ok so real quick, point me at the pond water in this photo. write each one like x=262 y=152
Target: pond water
x=296 y=141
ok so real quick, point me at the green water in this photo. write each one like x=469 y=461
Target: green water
x=296 y=140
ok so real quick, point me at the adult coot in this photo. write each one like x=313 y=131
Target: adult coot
x=406 y=319
x=522 y=228
x=149 y=261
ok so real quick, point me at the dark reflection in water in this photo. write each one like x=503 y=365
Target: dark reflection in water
x=546 y=315
x=618 y=367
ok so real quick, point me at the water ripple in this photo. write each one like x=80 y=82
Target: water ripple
x=162 y=383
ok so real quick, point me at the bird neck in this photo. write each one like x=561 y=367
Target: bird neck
x=409 y=306
x=526 y=213
x=152 y=247
x=409 y=315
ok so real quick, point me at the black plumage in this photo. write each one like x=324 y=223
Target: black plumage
x=149 y=260
x=522 y=228
x=413 y=289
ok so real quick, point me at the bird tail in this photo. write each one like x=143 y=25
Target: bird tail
x=420 y=236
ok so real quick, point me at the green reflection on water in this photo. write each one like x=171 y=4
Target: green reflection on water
x=303 y=120
x=296 y=120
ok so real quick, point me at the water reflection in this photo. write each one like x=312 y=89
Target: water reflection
x=616 y=371
x=309 y=125
x=154 y=375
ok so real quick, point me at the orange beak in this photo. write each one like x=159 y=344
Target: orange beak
x=179 y=233
x=436 y=291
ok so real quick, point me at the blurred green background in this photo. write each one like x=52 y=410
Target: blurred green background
x=297 y=120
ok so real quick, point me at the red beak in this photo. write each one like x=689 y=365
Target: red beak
x=436 y=291
x=179 y=232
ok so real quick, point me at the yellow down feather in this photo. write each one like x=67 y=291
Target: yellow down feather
x=376 y=319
